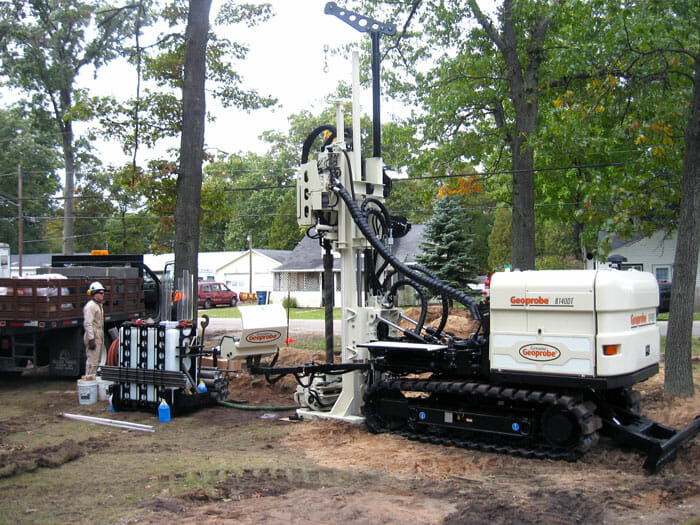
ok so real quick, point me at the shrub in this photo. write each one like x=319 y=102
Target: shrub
x=289 y=302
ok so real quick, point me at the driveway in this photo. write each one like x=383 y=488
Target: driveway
x=663 y=327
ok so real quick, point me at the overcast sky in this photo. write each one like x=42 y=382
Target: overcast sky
x=286 y=60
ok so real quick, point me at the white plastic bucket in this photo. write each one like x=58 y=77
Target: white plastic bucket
x=87 y=392
x=102 y=389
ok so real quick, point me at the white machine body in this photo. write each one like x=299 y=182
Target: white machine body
x=583 y=323
x=264 y=329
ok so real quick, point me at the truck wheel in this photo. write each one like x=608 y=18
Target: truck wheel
x=234 y=301
x=208 y=304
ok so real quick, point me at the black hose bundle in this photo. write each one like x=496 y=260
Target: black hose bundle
x=429 y=282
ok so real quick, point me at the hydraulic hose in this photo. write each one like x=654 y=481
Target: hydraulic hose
x=445 y=301
x=424 y=304
x=306 y=147
x=423 y=300
x=428 y=282
x=251 y=407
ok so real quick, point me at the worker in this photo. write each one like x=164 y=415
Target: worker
x=94 y=324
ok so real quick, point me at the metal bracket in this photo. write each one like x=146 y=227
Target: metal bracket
x=362 y=23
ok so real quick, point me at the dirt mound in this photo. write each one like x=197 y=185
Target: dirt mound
x=20 y=460
x=459 y=321
x=257 y=390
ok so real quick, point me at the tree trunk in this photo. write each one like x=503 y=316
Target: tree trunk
x=678 y=358
x=523 y=238
x=522 y=81
x=189 y=182
x=68 y=245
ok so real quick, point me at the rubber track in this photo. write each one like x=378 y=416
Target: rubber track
x=583 y=411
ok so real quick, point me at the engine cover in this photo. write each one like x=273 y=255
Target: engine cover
x=580 y=323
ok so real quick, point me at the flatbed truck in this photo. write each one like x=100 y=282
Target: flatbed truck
x=41 y=316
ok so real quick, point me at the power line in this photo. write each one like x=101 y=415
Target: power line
x=95 y=234
x=513 y=172
x=482 y=174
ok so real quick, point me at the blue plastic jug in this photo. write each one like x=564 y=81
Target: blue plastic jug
x=202 y=387
x=163 y=411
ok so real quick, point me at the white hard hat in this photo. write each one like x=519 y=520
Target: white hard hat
x=95 y=287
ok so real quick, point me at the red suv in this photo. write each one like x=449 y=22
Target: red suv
x=210 y=294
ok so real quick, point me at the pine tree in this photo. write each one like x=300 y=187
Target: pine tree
x=447 y=246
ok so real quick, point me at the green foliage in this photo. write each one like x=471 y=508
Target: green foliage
x=44 y=46
x=555 y=262
x=621 y=117
x=285 y=234
x=28 y=137
x=447 y=248
x=499 y=239
x=613 y=90
x=289 y=302
x=157 y=186
x=254 y=197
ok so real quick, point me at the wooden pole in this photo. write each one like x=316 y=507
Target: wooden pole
x=20 y=221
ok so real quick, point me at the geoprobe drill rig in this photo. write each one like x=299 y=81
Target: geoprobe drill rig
x=551 y=365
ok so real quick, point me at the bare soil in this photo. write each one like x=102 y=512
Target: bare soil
x=223 y=465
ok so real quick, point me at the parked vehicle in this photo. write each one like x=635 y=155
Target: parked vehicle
x=664 y=296
x=211 y=294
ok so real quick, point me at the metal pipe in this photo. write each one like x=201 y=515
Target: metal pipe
x=328 y=297
x=356 y=117
x=110 y=422
x=376 y=112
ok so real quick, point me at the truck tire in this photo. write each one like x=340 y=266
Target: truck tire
x=234 y=301
x=208 y=304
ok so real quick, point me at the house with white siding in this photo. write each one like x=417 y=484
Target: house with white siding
x=251 y=270
x=301 y=276
x=647 y=254
x=238 y=269
x=653 y=254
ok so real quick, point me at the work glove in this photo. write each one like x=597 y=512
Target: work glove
x=91 y=344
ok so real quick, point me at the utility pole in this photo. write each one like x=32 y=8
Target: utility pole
x=20 y=224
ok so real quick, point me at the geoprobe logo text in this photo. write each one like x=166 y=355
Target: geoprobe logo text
x=527 y=301
x=539 y=352
x=263 y=336
x=641 y=319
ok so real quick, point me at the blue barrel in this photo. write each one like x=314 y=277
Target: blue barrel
x=262 y=297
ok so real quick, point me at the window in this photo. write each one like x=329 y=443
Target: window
x=662 y=272
x=297 y=282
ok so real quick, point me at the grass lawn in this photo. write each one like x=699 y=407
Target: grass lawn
x=695 y=348
x=294 y=313
x=664 y=317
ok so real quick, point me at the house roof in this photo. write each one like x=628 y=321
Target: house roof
x=406 y=248
x=279 y=256
x=307 y=255
x=205 y=260
x=616 y=241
